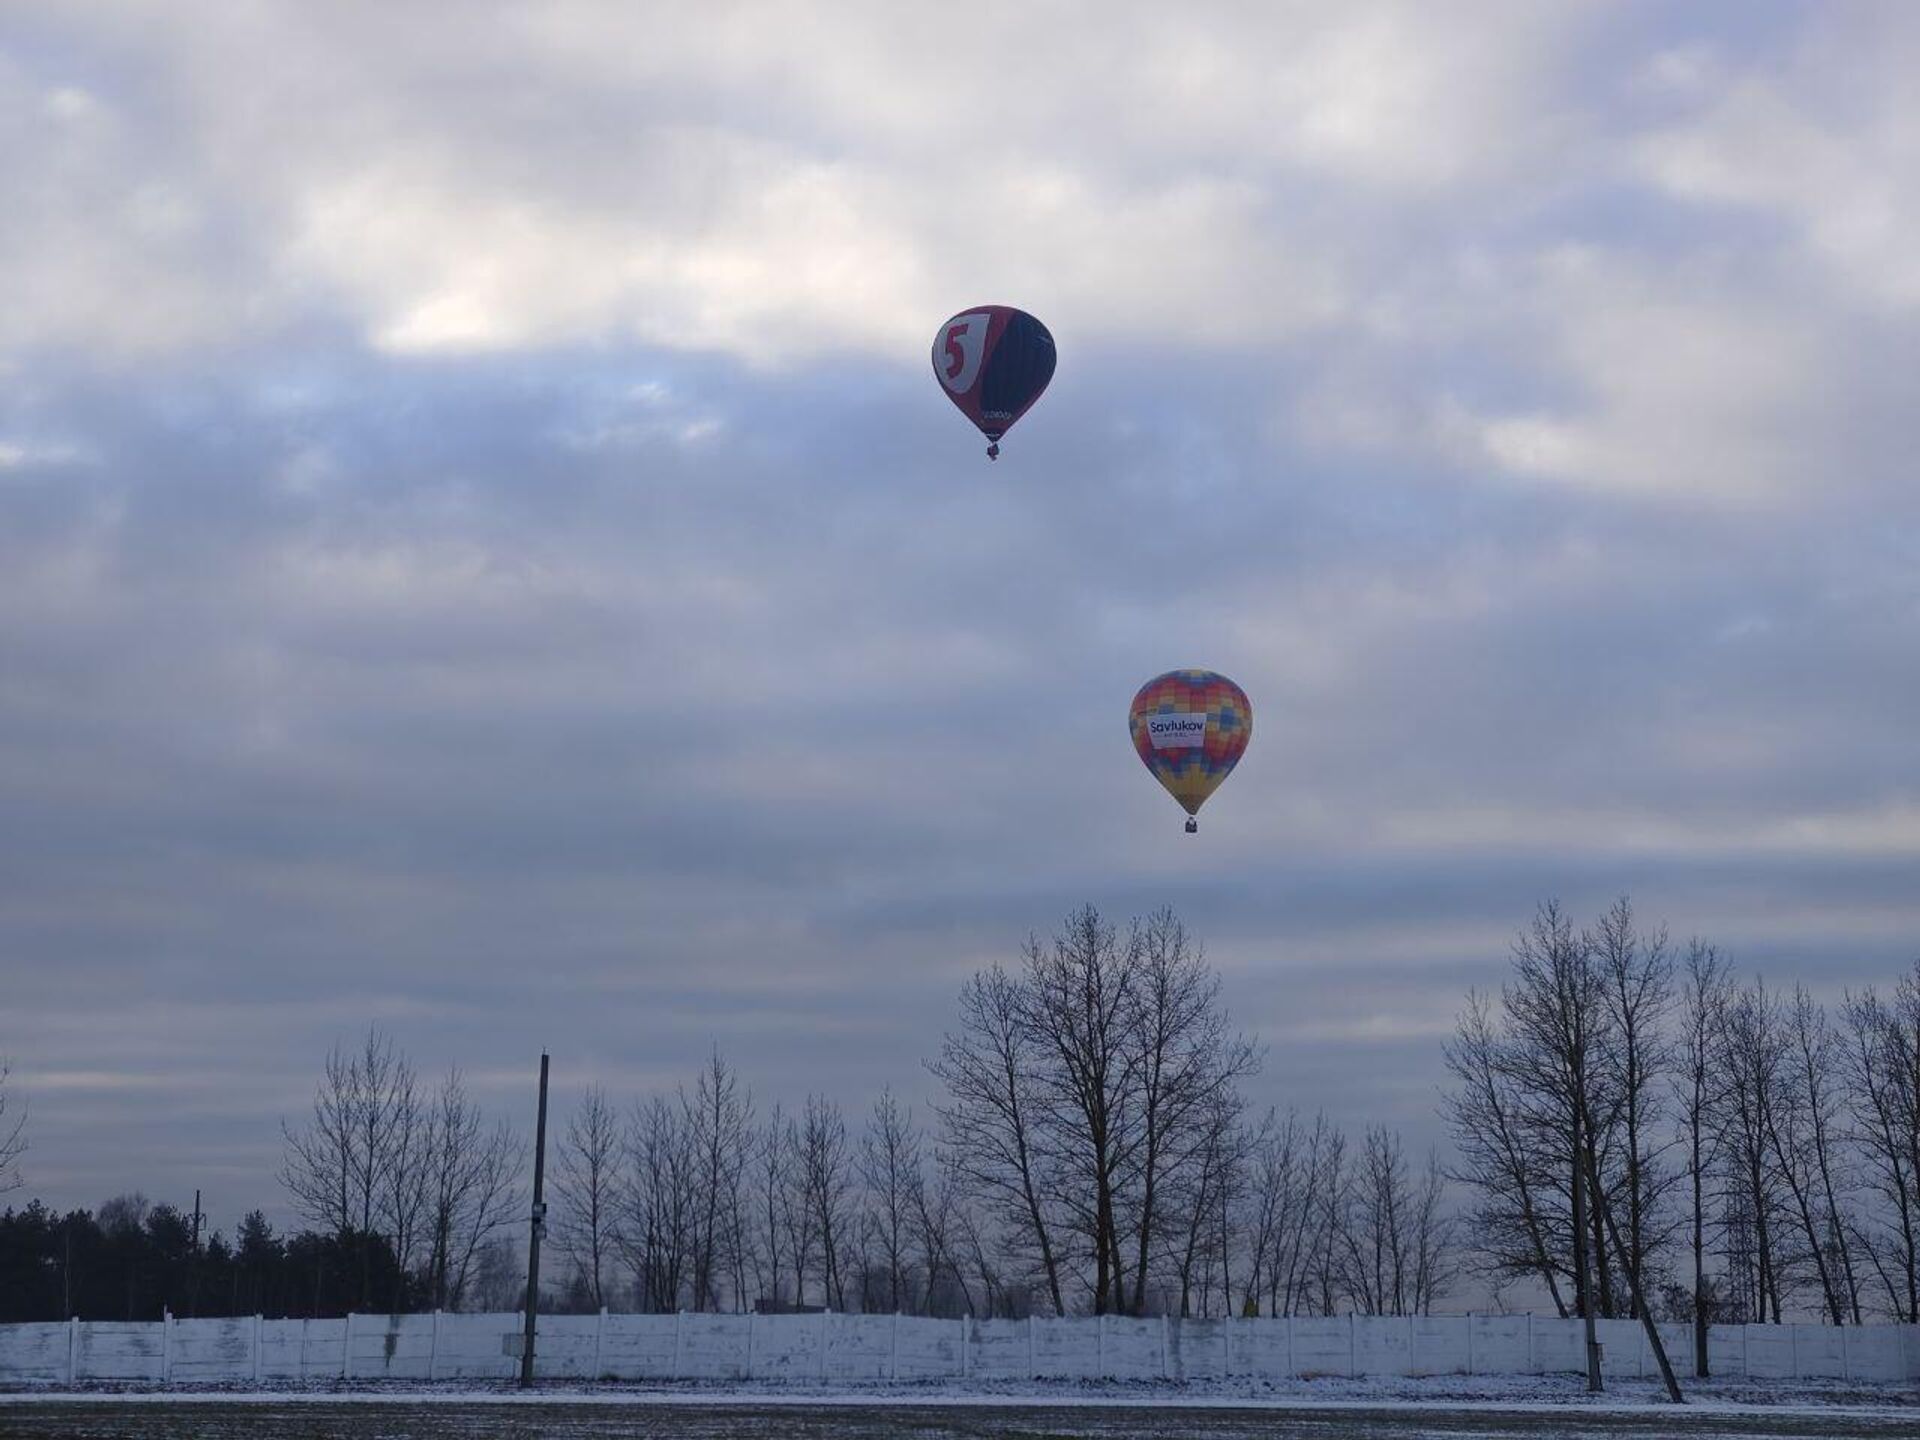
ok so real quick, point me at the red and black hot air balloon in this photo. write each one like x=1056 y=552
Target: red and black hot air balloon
x=994 y=361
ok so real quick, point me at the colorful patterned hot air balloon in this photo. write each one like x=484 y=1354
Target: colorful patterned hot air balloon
x=994 y=361
x=1190 y=728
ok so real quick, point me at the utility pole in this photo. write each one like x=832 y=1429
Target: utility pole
x=1582 y=1285
x=536 y=1228
x=193 y=1270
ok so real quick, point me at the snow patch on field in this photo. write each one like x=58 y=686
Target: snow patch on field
x=1511 y=1394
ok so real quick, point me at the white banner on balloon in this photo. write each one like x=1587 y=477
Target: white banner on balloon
x=1176 y=732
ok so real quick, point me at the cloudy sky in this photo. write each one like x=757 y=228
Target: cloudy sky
x=481 y=549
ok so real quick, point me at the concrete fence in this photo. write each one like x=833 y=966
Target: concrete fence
x=856 y=1348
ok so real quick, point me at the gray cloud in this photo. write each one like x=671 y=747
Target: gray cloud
x=479 y=550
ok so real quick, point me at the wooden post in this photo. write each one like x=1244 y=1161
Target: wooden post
x=73 y=1349
x=346 y=1350
x=600 y=1345
x=433 y=1349
x=256 y=1349
x=166 y=1346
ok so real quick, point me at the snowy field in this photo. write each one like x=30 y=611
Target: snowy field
x=1457 y=1407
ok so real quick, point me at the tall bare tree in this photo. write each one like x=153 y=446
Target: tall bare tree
x=1187 y=1073
x=13 y=1133
x=1636 y=972
x=1703 y=1002
x=1079 y=1005
x=351 y=1167
x=1883 y=1082
x=1514 y=1180
x=586 y=1184
x=826 y=1180
x=719 y=1124
x=1751 y=1057
x=472 y=1191
x=890 y=1170
x=992 y=1118
x=660 y=1202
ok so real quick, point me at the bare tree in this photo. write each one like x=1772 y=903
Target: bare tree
x=1079 y=1005
x=1883 y=1082
x=1186 y=1075
x=586 y=1184
x=826 y=1180
x=1636 y=993
x=1436 y=1263
x=349 y=1171
x=771 y=1186
x=13 y=1133
x=719 y=1124
x=1703 y=1004
x=660 y=1203
x=1492 y=1124
x=940 y=1220
x=471 y=1191
x=1751 y=1056
x=890 y=1170
x=992 y=1117
x=1802 y=1128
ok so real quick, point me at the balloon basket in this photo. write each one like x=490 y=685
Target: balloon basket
x=1193 y=826
x=993 y=451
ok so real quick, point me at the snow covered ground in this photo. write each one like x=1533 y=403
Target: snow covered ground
x=1441 y=1405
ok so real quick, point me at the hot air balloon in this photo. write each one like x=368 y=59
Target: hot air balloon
x=1190 y=728
x=994 y=362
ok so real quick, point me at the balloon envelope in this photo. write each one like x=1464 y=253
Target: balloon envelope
x=1190 y=728
x=993 y=361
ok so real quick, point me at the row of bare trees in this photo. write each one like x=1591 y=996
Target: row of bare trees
x=1755 y=1153
x=1091 y=1151
x=417 y=1166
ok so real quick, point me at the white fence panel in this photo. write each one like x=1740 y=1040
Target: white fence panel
x=1622 y=1347
x=1770 y=1352
x=35 y=1354
x=466 y=1347
x=565 y=1346
x=714 y=1347
x=1500 y=1344
x=394 y=1347
x=927 y=1349
x=639 y=1347
x=1322 y=1345
x=1382 y=1345
x=1132 y=1349
x=201 y=1352
x=1558 y=1346
x=1439 y=1346
x=1818 y=1352
x=1874 y=1353
x=115 y=1350
x=1726 y=1350
x=1002 y=1349
x=1263 y=1348
x=1197 y=1349
x=1066 y=1348
x=860 y=1347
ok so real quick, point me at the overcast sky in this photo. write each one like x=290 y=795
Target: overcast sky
x=482 y=549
